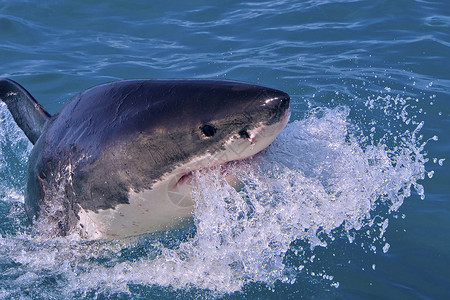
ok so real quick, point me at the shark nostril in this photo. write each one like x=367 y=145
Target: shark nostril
x=244 y=134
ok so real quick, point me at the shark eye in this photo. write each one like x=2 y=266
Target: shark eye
x=208 y=130
x=244 y=134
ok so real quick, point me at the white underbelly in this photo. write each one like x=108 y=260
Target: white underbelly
x=148 y=211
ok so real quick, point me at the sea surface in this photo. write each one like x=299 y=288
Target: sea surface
x=352 y=200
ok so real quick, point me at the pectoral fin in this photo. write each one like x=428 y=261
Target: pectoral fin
x=26 y=111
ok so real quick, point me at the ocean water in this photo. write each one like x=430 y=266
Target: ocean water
x=352 y=200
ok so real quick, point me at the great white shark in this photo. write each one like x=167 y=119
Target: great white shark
x=116 y=160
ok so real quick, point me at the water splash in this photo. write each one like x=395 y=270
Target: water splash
x=14 y=150
x=324 y=178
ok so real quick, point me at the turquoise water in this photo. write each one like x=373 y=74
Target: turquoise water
x=350 y=202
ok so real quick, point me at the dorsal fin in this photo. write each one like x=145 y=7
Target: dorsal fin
x=28 y=114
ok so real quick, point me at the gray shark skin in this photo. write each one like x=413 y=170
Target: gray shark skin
x=104 y=165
